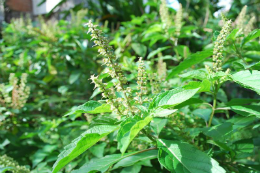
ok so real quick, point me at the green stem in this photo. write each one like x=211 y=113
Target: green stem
x=215 y=91
x=213 y=110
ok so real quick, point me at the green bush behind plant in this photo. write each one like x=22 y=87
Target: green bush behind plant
x=175 y=108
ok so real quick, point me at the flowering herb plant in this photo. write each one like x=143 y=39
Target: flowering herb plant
x=150 y=120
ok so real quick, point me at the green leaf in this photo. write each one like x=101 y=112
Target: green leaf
x=219 y=132
x=74 y=76
x=155 y=52
x=247 y=79
x=91 y=107
x=190 y=61
x=252 y=35
x=158 y=124
x=182 y=50
x=247 y=110
x=98 y=150
x=131 y=160
x=203 y=113
x=240 y=101
x=203 y=86
x=172 y=98
x=129 y=129
x=81 y=144
x=139 y=49
x=179 y=157
x=189 y=102
x=195 y=74
x=232 y=35
x=161 y=112
x=132 y=169
x=102 y=164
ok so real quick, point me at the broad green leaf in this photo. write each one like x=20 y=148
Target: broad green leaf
x=102 y=164
x=195 y=74
x=139 y=49
x=172 y=98
x=194 y=132
x=203 y=86
x=247 y=110
x=131 y=160
x=155 y=52
x=98 y=150
x=81 y=144
x=233 y=34
x=252 y=35
x=161 y=112
x=244 y=146
x=180 y=157
x=203 y=113
x=222 y=146
x=129 y=129
x=219 y=132
x=91 y=107
x=255 y=55
x=63 y=89
x=182 y=50
x=74 y=77
x=240 y=101
x=221 y=95
x=190 y=61
x=240 y=122
x=247 y=79
x=158 y=124
x=133 y=169
x=189 y=102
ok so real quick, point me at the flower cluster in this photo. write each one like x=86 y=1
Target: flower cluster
x=76 y=18
x=6 y=161
x=108 y=93
x=20 y=92
x=250 y=26
x=177 y=22
x=141 y=82
x=161 y=70
x=165 y=17
x=241 y=18
x=154 y=83
x=219 y=46
x=114 y=71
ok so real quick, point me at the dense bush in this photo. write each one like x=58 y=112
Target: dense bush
x=189 y=104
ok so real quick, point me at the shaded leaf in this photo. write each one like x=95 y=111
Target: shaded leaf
x=102 y=164
x=131 y=160
x=155 y=52
x=74 y=76
x=195 y=74
x=190 y=61
x=219 y=132
x=81 y=144
x=129 y=129
x=252 y=35
x=247 y=110
x=182 y=157
x=139 y=49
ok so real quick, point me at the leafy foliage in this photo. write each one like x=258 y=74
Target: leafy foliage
x=189 y=104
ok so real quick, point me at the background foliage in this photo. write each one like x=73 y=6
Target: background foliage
x=59 y=59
